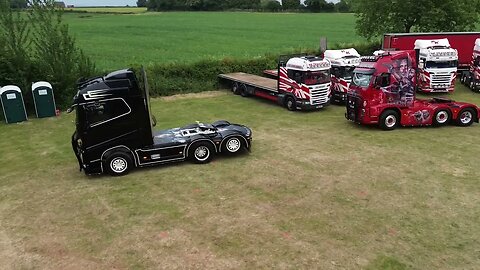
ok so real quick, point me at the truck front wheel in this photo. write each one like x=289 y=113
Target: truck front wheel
x=290 y=103
x=118 y=163
x=389 y=120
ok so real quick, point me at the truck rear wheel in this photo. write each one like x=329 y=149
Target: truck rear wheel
x=201 y=152
x=441 y=117
x=389 y=120
x=465 y=117
x=118 y=163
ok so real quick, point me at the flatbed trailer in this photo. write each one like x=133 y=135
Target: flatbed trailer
x=302 y=84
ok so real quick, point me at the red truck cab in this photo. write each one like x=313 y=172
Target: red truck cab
x=382 y=92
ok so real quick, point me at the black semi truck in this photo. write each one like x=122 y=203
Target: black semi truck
x=114 y=129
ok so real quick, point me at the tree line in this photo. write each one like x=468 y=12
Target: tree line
x=257 y=5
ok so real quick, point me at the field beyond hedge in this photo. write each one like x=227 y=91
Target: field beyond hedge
x=116 y=41
x=316 y=192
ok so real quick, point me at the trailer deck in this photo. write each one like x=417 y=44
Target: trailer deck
x=253 y=80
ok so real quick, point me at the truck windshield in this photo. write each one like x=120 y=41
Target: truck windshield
x=441 y=64
x=361 y=79
x=347 y=73
x=317 y=77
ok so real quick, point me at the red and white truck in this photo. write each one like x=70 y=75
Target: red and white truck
x=382 y=92
x=343 y=63
x=471 y=78
x=299 y=83
x=461 y=41
x=437 y=65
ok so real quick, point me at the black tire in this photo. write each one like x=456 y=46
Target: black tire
x=290 y=103
x=243 y=90
x=236 y=88
x=118 y=163
x=441 y=117
x=232 y=145
x=466 y=117
x=462 y=78
x=473 y=84
x=389 y=120
x=201 y=152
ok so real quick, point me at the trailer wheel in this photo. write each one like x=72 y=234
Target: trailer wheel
x=473 y=84
x=232 y=145
x=465 y=117
x=290 y=103
x=201 y=152
x=118 y=163
x=243 y=90
x=441 y=117
x=463 y=79
x=236 y=88
x=389 y=120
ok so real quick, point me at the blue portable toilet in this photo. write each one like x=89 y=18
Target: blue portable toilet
x=12 y=104
x=43 y=99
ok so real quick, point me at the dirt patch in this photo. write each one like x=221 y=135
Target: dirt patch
x=206 y=94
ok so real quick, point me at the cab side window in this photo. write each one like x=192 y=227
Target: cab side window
x=103 y=111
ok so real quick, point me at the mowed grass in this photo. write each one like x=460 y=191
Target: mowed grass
x=118 y=41
x=316 y=192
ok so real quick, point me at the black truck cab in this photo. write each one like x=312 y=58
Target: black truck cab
x=114 y=129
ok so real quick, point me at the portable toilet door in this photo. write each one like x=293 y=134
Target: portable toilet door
x=43 y=99
x=12 y=104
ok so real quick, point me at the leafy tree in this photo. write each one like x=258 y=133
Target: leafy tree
x=272 y=6
x=375 y=17
x=291 y=4
x=343 y=6
x=319 y=6
x=38 y=46
x=141 y=3
x=18 y=4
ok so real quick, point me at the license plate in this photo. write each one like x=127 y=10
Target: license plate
x=318 y=106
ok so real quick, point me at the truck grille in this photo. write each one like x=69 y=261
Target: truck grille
x=320 y=95
x=353 y=104
x=441 y=82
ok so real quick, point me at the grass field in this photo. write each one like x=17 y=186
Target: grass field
x=316 y=192
x=118 y=41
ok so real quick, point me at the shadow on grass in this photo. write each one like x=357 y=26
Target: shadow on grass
x=218 y=157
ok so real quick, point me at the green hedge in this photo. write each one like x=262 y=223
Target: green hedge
x=179 y=78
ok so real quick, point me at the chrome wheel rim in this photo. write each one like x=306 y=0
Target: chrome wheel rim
x=390 y=121
x=466 y=117
x=442 y=117
x=118 y=165
x=202 y=153
x=233 y=145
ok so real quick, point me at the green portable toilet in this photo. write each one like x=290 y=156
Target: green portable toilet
x=43 y=99
x=12 y=104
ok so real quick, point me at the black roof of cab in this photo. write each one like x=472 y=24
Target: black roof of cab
x=118 y=83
